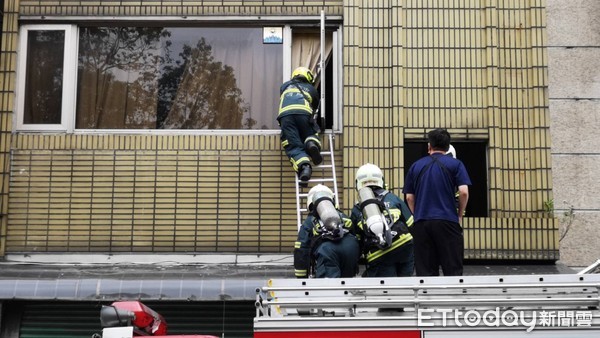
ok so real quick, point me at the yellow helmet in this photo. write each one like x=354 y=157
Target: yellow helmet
x=304 y=73
x=369 y=175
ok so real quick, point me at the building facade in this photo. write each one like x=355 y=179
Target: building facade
x=574 y=93
x=148 y=127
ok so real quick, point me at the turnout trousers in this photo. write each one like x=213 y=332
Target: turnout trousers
x=336 y=259
x=296 y=130
x=398 y=263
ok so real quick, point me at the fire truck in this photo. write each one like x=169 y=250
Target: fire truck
x=129 y=319
x=513 y=306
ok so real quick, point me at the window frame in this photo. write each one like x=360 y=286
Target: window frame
x=69 y=97
x=67 y=116
x=338 y=80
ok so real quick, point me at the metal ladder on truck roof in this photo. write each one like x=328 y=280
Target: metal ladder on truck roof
x=394 y=303
x=327 y=177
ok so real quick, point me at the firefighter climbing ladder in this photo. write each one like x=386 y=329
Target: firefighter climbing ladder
x=328 y=178
x=327 y=168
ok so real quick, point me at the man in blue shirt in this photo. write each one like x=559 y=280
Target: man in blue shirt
x=430 y=187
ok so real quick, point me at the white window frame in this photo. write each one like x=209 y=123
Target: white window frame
x=338 y=81
x=69 y=79
x=69 y=97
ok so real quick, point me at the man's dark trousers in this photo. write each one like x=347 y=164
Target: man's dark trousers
x=438 y=243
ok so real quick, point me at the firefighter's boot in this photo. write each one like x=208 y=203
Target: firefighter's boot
x=304 y=174
x=313 y=149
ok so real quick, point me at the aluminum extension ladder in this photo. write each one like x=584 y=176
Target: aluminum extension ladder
x=593 y=268
x=327 y=177
x=373 y=305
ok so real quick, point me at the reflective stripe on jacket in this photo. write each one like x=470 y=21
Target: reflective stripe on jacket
x=297 y=97
x=398 y=216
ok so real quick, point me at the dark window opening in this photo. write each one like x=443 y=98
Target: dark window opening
x=473 y=154
x=328 y=93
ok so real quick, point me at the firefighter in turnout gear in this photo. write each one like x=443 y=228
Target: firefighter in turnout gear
x=381 y=221
x=325 y=245
x=298 y=103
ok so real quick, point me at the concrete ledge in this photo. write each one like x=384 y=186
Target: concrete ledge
x=154 y=259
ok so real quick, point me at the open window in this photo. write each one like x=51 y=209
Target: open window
x=306 y=51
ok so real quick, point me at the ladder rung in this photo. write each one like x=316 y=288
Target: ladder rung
x=321 y=180
x=302 y=195
x=324 y=166
x=326 y=153
x=303 y=210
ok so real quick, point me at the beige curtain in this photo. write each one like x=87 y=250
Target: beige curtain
x=306 y=50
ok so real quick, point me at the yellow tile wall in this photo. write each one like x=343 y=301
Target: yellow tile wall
x=8 y=65
x=118 y=193
x=476 y=67
x=183 y=9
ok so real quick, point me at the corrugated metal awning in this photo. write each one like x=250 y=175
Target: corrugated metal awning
x=194 y=282
x=151 y=282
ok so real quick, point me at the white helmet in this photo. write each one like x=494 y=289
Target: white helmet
x=317 y=192
x=451 y=151
x=369 y=175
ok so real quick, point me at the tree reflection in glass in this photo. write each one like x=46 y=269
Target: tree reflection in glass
x=148 y=77
x=44 y=78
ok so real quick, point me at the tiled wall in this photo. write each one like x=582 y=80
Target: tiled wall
x=476 y=67
x=8 y=64
x=110 y=193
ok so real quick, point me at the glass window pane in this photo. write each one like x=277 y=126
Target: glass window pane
x=177 y=78
x=44 y=77
x=118 y=73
